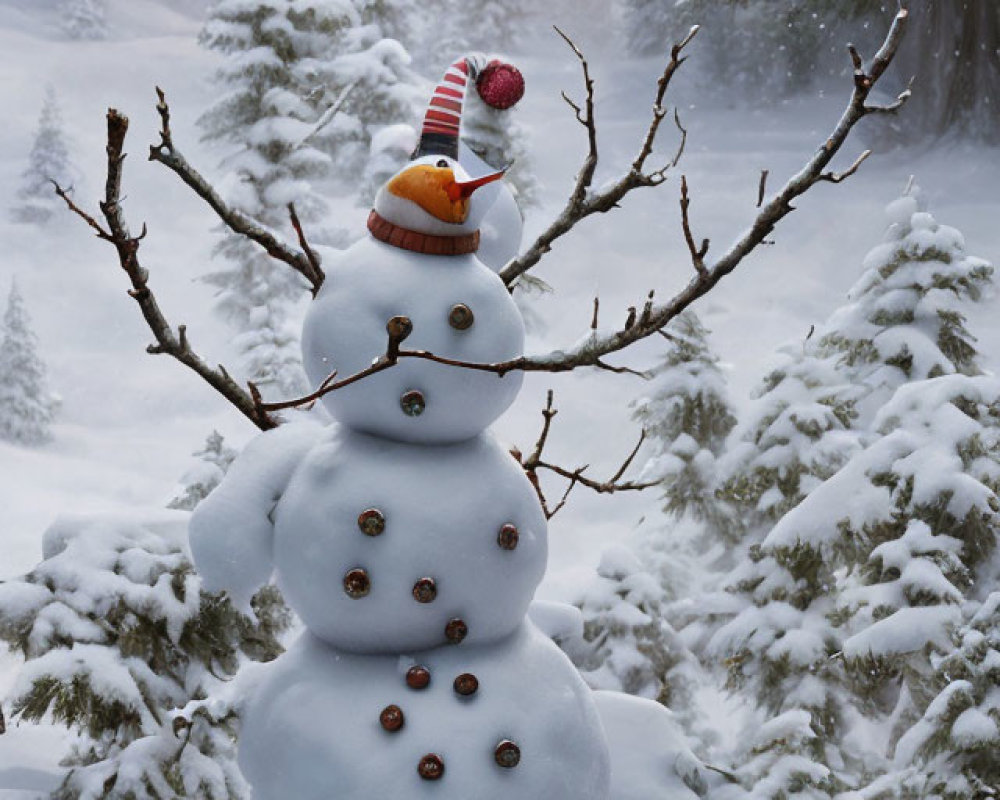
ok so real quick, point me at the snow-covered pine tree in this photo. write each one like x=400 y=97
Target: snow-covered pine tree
x=84 y=19
x=27 y=407
x=881 y=558
x=213 y=461
x=903 y=323
x=462 y=26
x=796 y=603
x=626 y=644
x=122 y=646
x=796 y=433
x=305 y=85
x=950 y=752
x=687 y=416
x=47 y=162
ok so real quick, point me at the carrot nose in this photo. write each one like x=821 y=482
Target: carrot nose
x=460 y=191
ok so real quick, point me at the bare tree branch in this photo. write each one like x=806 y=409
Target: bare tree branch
x=167 y=154
x=534 y=462
x=582 y=200
x=127 y=247
x=762 y=187
x=697 y=253
x=596 y=346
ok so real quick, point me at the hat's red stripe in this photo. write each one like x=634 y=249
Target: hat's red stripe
x=447 y=91
x=450 y=105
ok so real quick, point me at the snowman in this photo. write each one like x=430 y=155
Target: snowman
x=404 y=535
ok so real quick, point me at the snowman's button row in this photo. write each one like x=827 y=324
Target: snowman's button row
x=371 y=522
x=431 y=767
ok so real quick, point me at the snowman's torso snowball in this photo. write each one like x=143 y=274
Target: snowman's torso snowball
x=313 y=732
x=437 y=513
x=345 y=330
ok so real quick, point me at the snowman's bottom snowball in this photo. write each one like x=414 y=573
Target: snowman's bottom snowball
x=313 y=732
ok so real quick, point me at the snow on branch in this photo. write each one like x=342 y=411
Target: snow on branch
x=305 y=262
x=127 y=246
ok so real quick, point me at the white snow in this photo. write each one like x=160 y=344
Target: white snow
x=130 y=420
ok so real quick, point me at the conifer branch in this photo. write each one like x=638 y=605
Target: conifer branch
x=306 y=263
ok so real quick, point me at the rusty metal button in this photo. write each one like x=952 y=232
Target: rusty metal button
x=461 y=317
x=466 y=684
x=371 y=521
x=392 y=718
x=412 y=403
x=507 y=754
x=425 y=590
x=431 y=767
x=357 y=583
x=456 y=630
x=418 y=677
x=508 y=537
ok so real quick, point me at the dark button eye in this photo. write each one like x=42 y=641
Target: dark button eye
x=442 y=163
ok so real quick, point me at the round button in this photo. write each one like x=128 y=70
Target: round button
x=507 y=754
x=431 y=767
x=466 y=684
x=461 y=317
x=357 y=583
x=412 y=403
x=392 y=718
x=456 y=630
x=371 y=521
x=508 y=537
x=425 y=590
x=418 y=677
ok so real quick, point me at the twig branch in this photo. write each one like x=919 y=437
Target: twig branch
x=838 y=177
x=762 y=187
x=584 y=202
x=596 y=347
x=697 y=253
x=167 y=154
x=314 y=261
x=127 y=247
x=534 y=462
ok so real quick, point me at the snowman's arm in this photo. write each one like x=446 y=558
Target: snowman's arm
x=231 y=531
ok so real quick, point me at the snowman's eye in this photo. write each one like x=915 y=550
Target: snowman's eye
x=442 y=163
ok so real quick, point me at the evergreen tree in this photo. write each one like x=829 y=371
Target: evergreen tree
x=686 y=414
x=47 y=162
x=462 y=27
x=123 y=647
x=626 y=644
x=903 y=323
x=837 y=611
x=305 y=85
x=26 y=405
x=198 y=483
x=84 y=19
x=954 y=744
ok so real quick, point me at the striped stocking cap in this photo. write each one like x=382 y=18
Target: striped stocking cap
x=499 y=84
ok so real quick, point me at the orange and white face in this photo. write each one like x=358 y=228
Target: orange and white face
x=439 y=189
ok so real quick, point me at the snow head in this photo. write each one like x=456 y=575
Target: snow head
x=419 y=263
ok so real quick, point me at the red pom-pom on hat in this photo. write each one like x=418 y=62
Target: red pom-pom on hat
x=500 y=85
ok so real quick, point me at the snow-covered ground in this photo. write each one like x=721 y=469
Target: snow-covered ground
x=130 y=421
